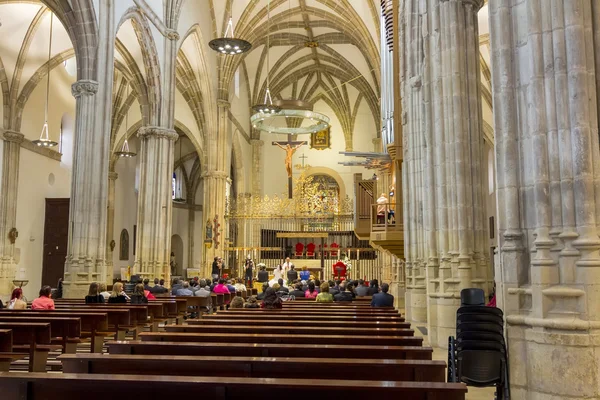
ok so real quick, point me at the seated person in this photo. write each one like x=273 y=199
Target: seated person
x=297 y=292
x=373 y=287
x=203 y=290
x=281 y=287
x=230 y=286
x=44 y=302
x=239 y=286
x=215 y=282
x=252 y=302
x=311 y=292
x=262 y=294
x=138 y=296
x=332 y=289
x=383 y=299
x=317 y=285
x=103 y=292
x=185 y=290
x=221 y=287
x=175 y=286
x=361 y=289
x=94 y=296
x=271 y=300
x=16 y=300
x=147 y=284
x=118 y=294
x=305 y=275
x=345 y=293
x=324 y=296
x=263 y=275
x=237 y=302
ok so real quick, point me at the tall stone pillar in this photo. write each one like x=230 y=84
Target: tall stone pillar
x=110 y=226
x=85 y=261
x=8 y=208
x=257 y=173
x=545 y=85
x=155 y=204
x=446 y=250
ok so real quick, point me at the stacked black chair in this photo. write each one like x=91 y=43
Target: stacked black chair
x=477 y=355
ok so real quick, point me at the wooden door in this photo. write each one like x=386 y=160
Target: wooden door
x=56 y=236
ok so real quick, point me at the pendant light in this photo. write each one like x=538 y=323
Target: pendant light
x=125 y=148
x=44 y=140
x=230 y=45
x=267 y=107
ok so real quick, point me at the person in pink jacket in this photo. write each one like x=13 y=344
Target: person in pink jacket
x=44 y=302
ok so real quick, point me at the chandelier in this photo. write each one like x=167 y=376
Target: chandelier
x=267 y=107
x=301 y=112
x=44 y=140
x=230 y=45
x=125 y=152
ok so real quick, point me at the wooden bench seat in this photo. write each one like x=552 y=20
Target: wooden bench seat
x=283 y=339
x=94 y=324
x=119 y=319
x=7 y=356
x=99 y=387
x=307 y=312
x=268 y=350
x=34 y=338
x=234 y=314
x=65 y=330
x=300 y=322
x=290 y=330
x=259 y=367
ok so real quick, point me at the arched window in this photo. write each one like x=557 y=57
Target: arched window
x=491 y=179
x=124 y=248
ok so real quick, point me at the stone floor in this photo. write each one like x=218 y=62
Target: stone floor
x=441 y=354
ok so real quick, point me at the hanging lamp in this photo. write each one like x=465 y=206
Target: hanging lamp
x=44 y=140
x=125 y=152
x=230 y=45
x=267 y=107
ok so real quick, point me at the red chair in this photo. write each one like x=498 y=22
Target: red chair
x=310 y=250
x=299 y=249
x=334 y=250
x=339 y=270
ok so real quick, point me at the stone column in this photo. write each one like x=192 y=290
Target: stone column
x=155 y=203
x=85 y=261
x=8 y=208
x=110 y=226
x=191 y=232
x=257 y=167
x=545 y=86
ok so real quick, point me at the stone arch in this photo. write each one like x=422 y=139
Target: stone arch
x=332 y=173
x=150 y=59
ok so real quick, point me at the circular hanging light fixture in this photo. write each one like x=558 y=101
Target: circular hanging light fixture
x=44 y=140
x=230 y=45
x=267 y=107
x=274 y=124
x=125 y=152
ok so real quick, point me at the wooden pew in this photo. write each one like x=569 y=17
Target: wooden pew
x=299 y=312
x=33 y=337
x=283 y=339
x=7 y=356
x=119 y=318
x=290 y=330
x=94 y=325
x=138 y=318
x=65 y=330
x=154 y=311
x=268 y=350
x=300 y=322
x=97 y=387
x=258 y=367
x=235 y=314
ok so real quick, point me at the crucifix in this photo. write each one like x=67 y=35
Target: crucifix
x=303 y=157
x=290 y=148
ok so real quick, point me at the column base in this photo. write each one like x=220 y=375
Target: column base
x=553 y=365
x=442 y=322
x=79 y=274
x=398 y=290
x=417 y=302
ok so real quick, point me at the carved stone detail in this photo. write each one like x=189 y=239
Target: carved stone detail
x=159 y=132
x=12 y=136
x=84 y=87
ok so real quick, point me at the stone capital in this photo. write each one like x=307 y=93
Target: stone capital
x=172 y=34
x=158 y=132
x=12 y=136
x=216 y=174
x=223 y=103
x=84 y=87
x=475 y=4
x=112 y=176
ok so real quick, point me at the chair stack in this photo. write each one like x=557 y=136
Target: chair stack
x=477 y=355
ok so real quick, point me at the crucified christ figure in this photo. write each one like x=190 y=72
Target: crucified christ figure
x=289 y=152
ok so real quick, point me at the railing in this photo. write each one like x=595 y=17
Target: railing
x=383 y=217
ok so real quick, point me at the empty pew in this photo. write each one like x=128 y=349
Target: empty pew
x=301 y=322
x=119 y=318
x=235 y=315
x=7 y=356
x=283 y=339
x=33 y=337
x=258 y=367
x=302 y=311
x=98 y=387
x=65 y=330
x=291 y=330
x=268 y=350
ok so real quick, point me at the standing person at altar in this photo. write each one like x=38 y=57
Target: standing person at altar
x=277 y=275
x=292 y=274
x=249 y=270
x=287 y=265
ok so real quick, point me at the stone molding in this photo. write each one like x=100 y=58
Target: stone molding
x=476 y=4
x=158 y=132
x=84 y=87
x=13 y=136
x=216 y=174
x=223 y=103
x=112 y=175
x=172 y=34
